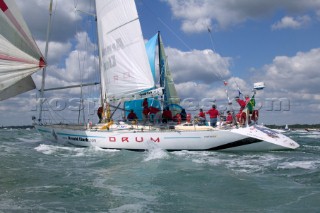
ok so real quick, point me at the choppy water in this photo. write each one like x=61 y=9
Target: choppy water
x=40 y=176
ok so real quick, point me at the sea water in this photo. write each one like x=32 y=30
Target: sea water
x=40 y=176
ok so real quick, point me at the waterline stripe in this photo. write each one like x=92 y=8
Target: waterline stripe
x=181 y=137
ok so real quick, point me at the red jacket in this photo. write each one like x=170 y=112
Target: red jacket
x=202 y=115
x=153 y=110
x=229 y=118
x=132 y=116
x=146 y=111
x=242 y=104
x=213 y=113
x=167 y=114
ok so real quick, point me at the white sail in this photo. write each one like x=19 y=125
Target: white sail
x=19 y=55
x=124 y=63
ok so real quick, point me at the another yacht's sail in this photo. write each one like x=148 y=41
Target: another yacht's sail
x=19 y=55
x=124 y=64
x=170 y=94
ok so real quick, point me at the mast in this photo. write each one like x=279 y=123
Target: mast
x=100 y=57
x=44 y=69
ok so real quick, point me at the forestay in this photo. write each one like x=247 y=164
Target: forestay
x=124 y=63
x=19 y=55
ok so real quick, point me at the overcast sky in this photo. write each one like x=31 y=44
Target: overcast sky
x=274 y=41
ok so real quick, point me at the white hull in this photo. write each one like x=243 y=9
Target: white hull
x=255 y=138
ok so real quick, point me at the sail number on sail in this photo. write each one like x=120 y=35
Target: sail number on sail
x=108 y=50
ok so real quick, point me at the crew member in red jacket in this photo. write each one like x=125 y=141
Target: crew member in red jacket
x=132 y=116
x=229 y=118
x=213 y=113
x=241 y=103
x=155 y=114
x=202 y=116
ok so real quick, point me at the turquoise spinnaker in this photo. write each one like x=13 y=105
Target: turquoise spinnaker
x=151 y=52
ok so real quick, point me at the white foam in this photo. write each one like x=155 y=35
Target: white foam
x=45 y=149
x=29 y=140
x=71 y=150
x=155 y=152
x=249 y=163
x=99 y=149
x=128 y=208
x=316 y=136
x=298 y=165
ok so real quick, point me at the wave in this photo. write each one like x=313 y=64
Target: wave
x=155 y=152
x=308 y=165
x=71 y=151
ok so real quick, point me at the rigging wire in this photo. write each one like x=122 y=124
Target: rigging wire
x=80 y=71
x=91 y=32
x=154 y=13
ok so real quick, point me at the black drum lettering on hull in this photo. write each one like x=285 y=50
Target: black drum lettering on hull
x=242 y=142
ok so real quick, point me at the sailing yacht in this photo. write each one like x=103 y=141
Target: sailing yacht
x=127 y=76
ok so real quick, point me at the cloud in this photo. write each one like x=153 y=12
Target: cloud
x=70 y=66
x=291 y=22
x=292 y=88
x=197 y=66
x=57 y=50
x=197 y=15
x=63 y=12
x=298 y=74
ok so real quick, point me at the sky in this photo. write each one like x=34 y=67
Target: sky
x=207 y=42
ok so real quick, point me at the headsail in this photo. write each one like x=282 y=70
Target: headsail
x=125 y=68
x=19 y=55
x=170 y=95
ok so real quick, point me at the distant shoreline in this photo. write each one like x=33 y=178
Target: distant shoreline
x=18 y=127
x=295 y=126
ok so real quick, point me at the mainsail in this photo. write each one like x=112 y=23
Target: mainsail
x=20 y=57
x=124 y=63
